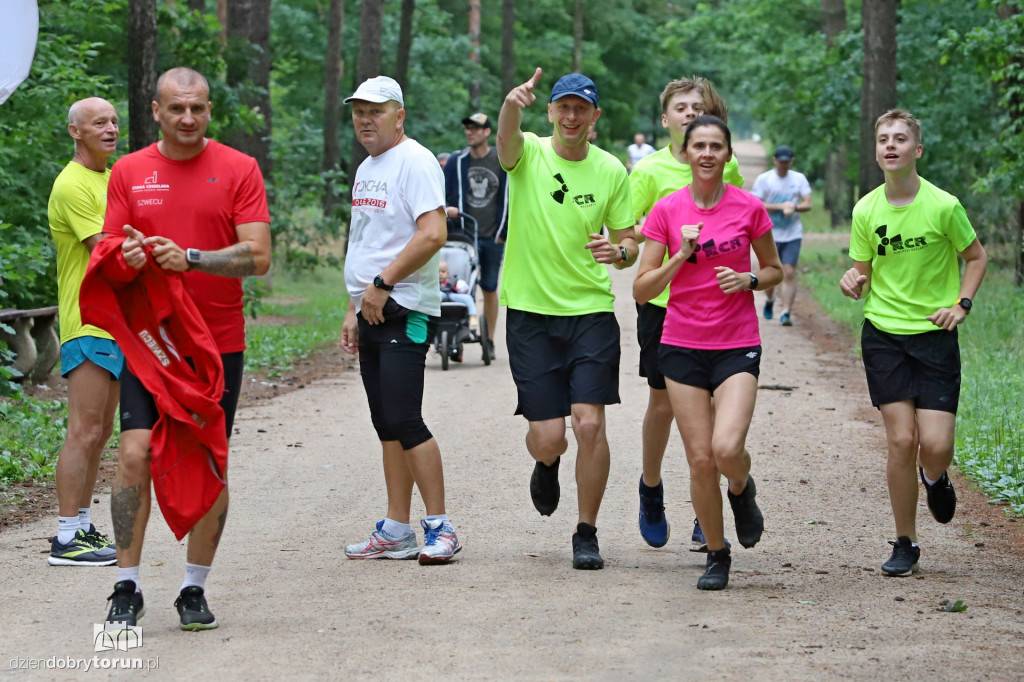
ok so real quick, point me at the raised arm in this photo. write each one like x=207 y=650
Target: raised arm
x=510 y=119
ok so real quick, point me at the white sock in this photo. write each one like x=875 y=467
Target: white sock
x=396 y=529
x=195 y=575
x=131 y=573
x=928 y=480
x=67 y=526
x=441 y=517
x=84 y=518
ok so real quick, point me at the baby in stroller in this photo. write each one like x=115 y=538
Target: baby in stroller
x=454 y=289
x=459 y=270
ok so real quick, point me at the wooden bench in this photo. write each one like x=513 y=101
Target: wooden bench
x=35 y=343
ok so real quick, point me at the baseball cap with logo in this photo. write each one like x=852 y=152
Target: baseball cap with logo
x=784 y=152
x=378 y=89
x=575 y=84
x=477 y=119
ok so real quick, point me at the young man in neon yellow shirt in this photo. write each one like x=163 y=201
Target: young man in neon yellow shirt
x=563 y=339
x=90 y=359
x=904 y=244
x=655 y=177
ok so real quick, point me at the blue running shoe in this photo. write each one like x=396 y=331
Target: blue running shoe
x=697 y=541
x=653 y=524
x=786 y=320
x=769 y=309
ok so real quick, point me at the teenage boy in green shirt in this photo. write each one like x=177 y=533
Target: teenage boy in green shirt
x=904 y=244
x=563 y=339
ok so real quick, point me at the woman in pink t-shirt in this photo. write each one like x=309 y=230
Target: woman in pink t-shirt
x=710 y=346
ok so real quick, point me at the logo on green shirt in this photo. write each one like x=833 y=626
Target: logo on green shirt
x=896 y=242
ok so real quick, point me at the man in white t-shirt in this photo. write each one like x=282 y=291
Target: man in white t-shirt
x=638 y=150
x=391 y=273
x=786 y=194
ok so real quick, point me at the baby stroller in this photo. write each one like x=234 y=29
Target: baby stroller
x=453 y=330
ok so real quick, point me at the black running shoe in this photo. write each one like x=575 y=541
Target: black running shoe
x=585 y=553
x=903 y=561
x=191 y=606
x=941 y=497
x=126 y=605
x=716 y=572
x=544 y=488
x=749 y=521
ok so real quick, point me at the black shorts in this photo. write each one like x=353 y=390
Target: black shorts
x=650 y=321
x=138 y=409
x=392 y=358
x=491 y=253
x=559 y=361
x=921 y=367
x=707 y=369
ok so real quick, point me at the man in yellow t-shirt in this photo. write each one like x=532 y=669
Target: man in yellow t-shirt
x=562 y=336
x=904 y=243
x=90 y=359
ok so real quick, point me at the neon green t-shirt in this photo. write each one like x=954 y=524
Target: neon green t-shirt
x=554 y=205
x=78 y=201
x=659 y=174
x=913 y=254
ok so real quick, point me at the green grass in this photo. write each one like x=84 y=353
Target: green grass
x=990 y=423
x=315 y=305
x=31 y=433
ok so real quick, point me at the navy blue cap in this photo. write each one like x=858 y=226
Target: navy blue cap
x=575 y=84
x=784 y=152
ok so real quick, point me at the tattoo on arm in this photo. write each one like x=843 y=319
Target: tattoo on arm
x=124 y=509
x=234 y=261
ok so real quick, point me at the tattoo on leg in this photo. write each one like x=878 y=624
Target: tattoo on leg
x=124 y=509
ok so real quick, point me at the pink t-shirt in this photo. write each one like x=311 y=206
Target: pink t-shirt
x=699 y=314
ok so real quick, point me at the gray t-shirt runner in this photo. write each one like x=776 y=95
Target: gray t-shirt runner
x=482 y=200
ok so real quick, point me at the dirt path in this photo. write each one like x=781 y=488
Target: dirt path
x=807 y=603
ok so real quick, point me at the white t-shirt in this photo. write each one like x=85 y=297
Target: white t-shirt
x=390 y=192
x=772 y=189
x=637 y=152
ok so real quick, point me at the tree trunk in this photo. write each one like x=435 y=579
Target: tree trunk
x=142 y=48
x=333 y=73
x=878 y=90
x=404 y=44
x=371 y=18
x=577 y=35
x=222 y=18
x=249 y=21
x=508 y=46
x=833 y=22
x=197 y=5
x=474 y=51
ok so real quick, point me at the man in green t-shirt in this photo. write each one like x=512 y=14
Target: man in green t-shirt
x=562 y=336
x=89 y=358
x=654 y=177
x=904 y=243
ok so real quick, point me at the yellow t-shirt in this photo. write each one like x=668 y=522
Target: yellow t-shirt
x=78 y=201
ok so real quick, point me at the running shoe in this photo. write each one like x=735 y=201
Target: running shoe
x=544 y=488
x=716 y=570
x=697 y=541
x=82 y=550
x=383 y=546
x=126 y=605
x=98 y=539
x=941 y=497
x=586 y=555
x=440 y=542
x=749 y=521
x=654 y=526
x=769 y=309
x=786 y=320
x=903 y=561
x=193 y=611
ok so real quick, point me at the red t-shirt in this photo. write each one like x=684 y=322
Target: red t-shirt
x=197 y=204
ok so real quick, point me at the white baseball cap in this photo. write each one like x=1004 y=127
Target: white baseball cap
x=378 y=89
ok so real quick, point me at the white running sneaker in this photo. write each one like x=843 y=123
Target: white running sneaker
x=440 y=543
x=383 y=546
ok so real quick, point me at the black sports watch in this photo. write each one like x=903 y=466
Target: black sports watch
x=192 y=257
x=966 y=304
x=753 y=281
x=379 y=282
x=624 y=252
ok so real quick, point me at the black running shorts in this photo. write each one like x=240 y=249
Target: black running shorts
x=650 y=321
x=707 y=369
x=924 y=368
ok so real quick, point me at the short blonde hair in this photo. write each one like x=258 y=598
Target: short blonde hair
x=894 y=115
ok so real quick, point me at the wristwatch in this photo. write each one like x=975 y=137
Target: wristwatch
x=625 y=254
x=753 y=281
x=966 y=304
x=192 y=257
x=378 y=282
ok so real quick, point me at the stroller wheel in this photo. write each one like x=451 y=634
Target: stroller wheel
x=444 y=350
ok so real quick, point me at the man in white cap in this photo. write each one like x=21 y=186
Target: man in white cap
x=563 y=339
x=391 y=272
